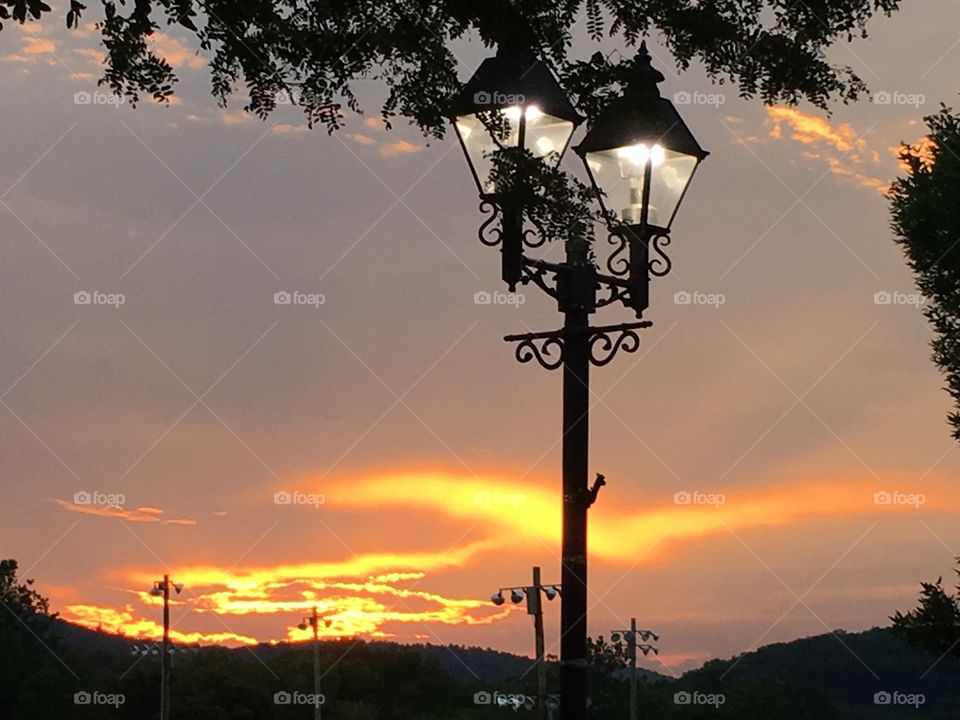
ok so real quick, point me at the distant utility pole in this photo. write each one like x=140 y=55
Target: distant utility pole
x=535 y=608
x=162 y=588
x=630 y=639
x=314 y=621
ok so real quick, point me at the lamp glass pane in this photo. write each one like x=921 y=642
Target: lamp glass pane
x=619 y=173
x=544 y=134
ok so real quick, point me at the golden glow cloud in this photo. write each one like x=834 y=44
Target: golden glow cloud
x=843 y=149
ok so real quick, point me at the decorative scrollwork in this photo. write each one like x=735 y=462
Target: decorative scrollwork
x=660 y=266
x=617 y=293
x=537 y=276
x=617 y=265
x=603 y=349
x=527 y=350
x=490 y=237
x=539 y=238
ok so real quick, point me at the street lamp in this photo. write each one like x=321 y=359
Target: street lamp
x=641 y=156
x=313 y=621
x=633 y=640
x=161 y=588
x=512 y=101
x=535 y=608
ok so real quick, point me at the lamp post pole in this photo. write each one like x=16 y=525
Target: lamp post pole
x=576 y=441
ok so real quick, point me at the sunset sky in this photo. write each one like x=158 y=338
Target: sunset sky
x=421 y=460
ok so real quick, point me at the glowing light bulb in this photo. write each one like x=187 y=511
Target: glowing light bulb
x=636 y=154
x=544 y=145
x=533 y=113
x=657 y=155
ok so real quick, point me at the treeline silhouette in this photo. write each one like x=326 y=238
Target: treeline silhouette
x=45 y=662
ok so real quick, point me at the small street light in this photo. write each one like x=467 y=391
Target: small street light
x=633 y=640
x=313 y=621
x=535 y=608
x=161 y=588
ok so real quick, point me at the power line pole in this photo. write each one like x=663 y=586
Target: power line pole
x=313 y=620
x=538 y=632
x=534 y=608
x=634 y=640
x=161 y=588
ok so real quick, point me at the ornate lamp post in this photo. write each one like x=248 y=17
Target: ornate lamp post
x=641 y=155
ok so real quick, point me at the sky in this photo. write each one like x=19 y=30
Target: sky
x=777 y=453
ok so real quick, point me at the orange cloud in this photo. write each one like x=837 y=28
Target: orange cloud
x=361 y=139
x=400 y=147
x=123 y=622
x=38 y=46
x=175 y=52
x=141 y=514
x=288 y=129
x=235 y=117
x=513 y=513
x=844 y=150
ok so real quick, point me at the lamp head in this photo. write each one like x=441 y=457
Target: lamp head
x=640 y=154
x=512 y=101
x=516 y=595
x=497 y=598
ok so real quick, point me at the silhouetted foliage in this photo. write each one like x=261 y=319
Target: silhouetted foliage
x=315 y=51
x=926 y=220
x=934 y=625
